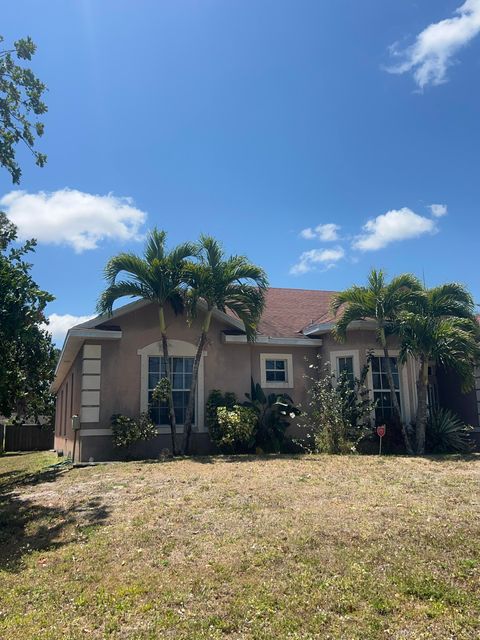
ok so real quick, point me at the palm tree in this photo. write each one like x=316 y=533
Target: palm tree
x=440 y=328
x=158 y=276
x=382 y=302
x=228 y=284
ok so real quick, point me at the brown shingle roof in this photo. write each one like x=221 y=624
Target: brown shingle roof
x=288 y=311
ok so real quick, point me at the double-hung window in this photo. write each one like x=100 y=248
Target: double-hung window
x=381 y=389
x=181 y=378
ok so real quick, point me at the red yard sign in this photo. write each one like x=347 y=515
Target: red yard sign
x=381 y=430
x=380 y=433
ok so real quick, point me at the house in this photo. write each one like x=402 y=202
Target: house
x=111 y=364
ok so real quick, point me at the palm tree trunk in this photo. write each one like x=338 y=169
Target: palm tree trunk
x=191 y=397
x=171 y=409
x=422 y=392
x=396 y=407
x=193 y=387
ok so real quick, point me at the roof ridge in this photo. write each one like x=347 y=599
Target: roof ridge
x=306 y=290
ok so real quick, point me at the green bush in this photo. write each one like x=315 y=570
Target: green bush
x=217 y=399
x=236 y=428
x=446 y=433
x=127 y=431
x=339 y=411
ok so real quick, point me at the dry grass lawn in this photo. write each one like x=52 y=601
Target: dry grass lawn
x=241 y=547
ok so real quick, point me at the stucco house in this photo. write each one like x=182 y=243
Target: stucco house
x=111 y=365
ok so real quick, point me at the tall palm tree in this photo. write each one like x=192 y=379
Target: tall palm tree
x=440 y=328
x=381 y=301
x=158 y=276
x=227 y=284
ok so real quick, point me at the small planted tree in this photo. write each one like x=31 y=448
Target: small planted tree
x=159 y=277
x=440 y=328
x=225 y=283
x=381 y=302
x=338 y=412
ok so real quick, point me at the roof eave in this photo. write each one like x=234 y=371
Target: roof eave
x=319 y=328
x=73 y=342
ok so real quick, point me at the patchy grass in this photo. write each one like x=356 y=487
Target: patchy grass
x=244 y=547
x=17 y=467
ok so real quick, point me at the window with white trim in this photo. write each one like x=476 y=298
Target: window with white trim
x=381 y=389
x=276 y=370
x=181 y=378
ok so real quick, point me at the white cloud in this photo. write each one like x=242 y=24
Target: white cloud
x=430 y=56
x=438 y=210
x=309 y=259
x=324 y=232
x=58 y=325
x=74 y=218
x=393 y=226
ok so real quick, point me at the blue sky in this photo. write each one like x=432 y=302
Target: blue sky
x=259 y=123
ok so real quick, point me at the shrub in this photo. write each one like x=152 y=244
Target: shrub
x=446 y=433
x=236 y=428
x=217 y=399
x=127 y=431
x=339 y=412
x=272 y=412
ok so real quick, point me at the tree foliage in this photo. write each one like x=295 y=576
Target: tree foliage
x=27 y=355
x=440 y=327
x=158 y=276
x=382 y=302
x=20 y=105
x=228 y=284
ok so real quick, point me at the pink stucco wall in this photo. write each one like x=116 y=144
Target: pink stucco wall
x=228 y=367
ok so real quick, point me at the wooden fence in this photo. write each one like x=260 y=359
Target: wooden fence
x=26 y=437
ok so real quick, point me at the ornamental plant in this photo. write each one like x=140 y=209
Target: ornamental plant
x=274 y=412
x=236 y=428
x=338 y=413
x=128 y=431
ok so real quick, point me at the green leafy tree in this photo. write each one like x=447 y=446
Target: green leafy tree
x=20 y=105
x=228 y=284
x=382 y=302
x=159 y=277
x=441 y=328
x=27 y=355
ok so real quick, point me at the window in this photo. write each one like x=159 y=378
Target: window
x=181 y=378
x=345 y=367
x=381 y=389
x=276 y=370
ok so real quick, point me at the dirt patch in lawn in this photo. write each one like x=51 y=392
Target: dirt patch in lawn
x=247 y=547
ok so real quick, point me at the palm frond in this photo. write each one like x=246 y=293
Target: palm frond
x=155 y=245
x=119 y=290
x=131 y=265
x=352 y=313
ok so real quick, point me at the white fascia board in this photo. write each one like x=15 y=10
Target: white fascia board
x=279 y=342
x=326 y=327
